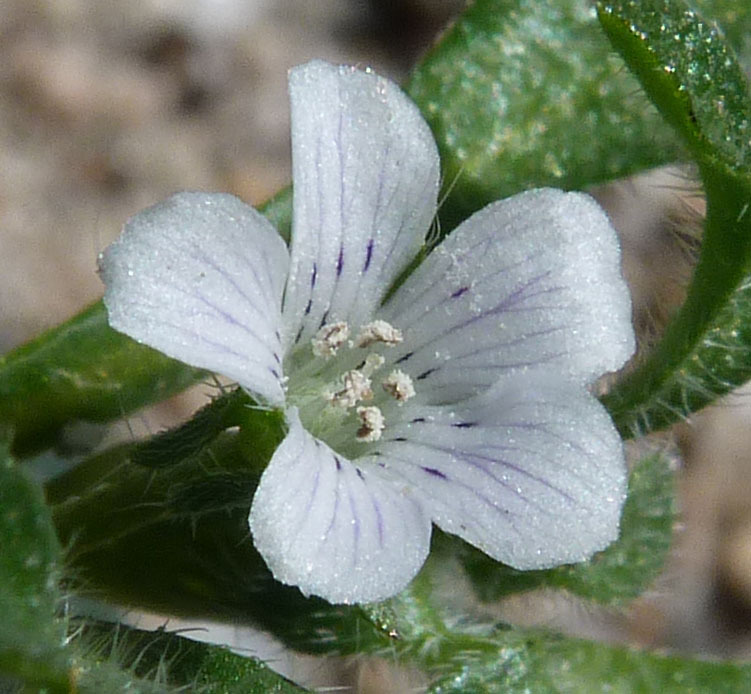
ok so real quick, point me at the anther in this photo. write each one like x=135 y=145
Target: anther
x=378 y=331
x=356 y=387
x=399 y=385
x=373 y=362
x=329 y=339
x=372 y=424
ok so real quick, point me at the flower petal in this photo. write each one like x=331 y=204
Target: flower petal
x=532 y=472
x=532 y=280
x=334 y=529
x=366 y=175
x=200 y=277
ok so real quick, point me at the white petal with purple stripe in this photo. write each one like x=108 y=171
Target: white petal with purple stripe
x=463 y=399
x=525 y=282
x=516 y=471
x=333 y=528
x=366 y=172
x=200 y=278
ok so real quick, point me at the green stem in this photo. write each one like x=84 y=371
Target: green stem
x=697 y=85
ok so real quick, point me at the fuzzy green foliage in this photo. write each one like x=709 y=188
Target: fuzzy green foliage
x=31 y=641
x=692 y=76
x=734 y=20
x=175 y=540
x=519 y=663
x=161 y=662
x=42 y=652
x=81 y=370
x=175 y=445
x=528 y=94
x=467 y=656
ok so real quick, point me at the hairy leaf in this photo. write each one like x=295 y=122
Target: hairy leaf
x=528 y=93
x=693 y=78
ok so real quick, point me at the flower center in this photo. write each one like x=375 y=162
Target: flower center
x=343 y=392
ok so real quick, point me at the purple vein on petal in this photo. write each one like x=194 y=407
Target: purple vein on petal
x=368 y=255
x=299 y=488
x=542 y=427
x=340 y=261
x=504 y=365
x=533 y=452
x=506 y=305
x=429 y=287
x=355 y=526
x=376 y=508
x=196 y=251
x=240 y=252
x=355 y=290
x=219 y=347
x=257 y=307
x=505 y=512
x=434 y=472
x=390 y=251
x=269 y=268
x=404 y=358
x=232 y=320
x=334 y=512
x=510 y=343
x=476 y=460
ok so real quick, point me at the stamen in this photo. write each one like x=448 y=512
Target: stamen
x=378 y=331
x=356 y=387
x=329 y=339
x=372 y=424
x=399 y=385
x=373 y=362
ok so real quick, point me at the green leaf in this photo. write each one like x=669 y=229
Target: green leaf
x=462 y=655
x=31 y=640
x=688 y=71
x=519 y=662
x=161 y=661
x=175 y=445
x=614 y=576
x=223 y=672
x=734 y=18
x=35 y=653
x=81 y=370
x=209 y=568
x=528 y=93
x=176 y=540
x=691 y=75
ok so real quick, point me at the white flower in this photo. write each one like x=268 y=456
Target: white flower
x=462 y=400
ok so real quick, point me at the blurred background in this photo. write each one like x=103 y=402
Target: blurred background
x=107 y=107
